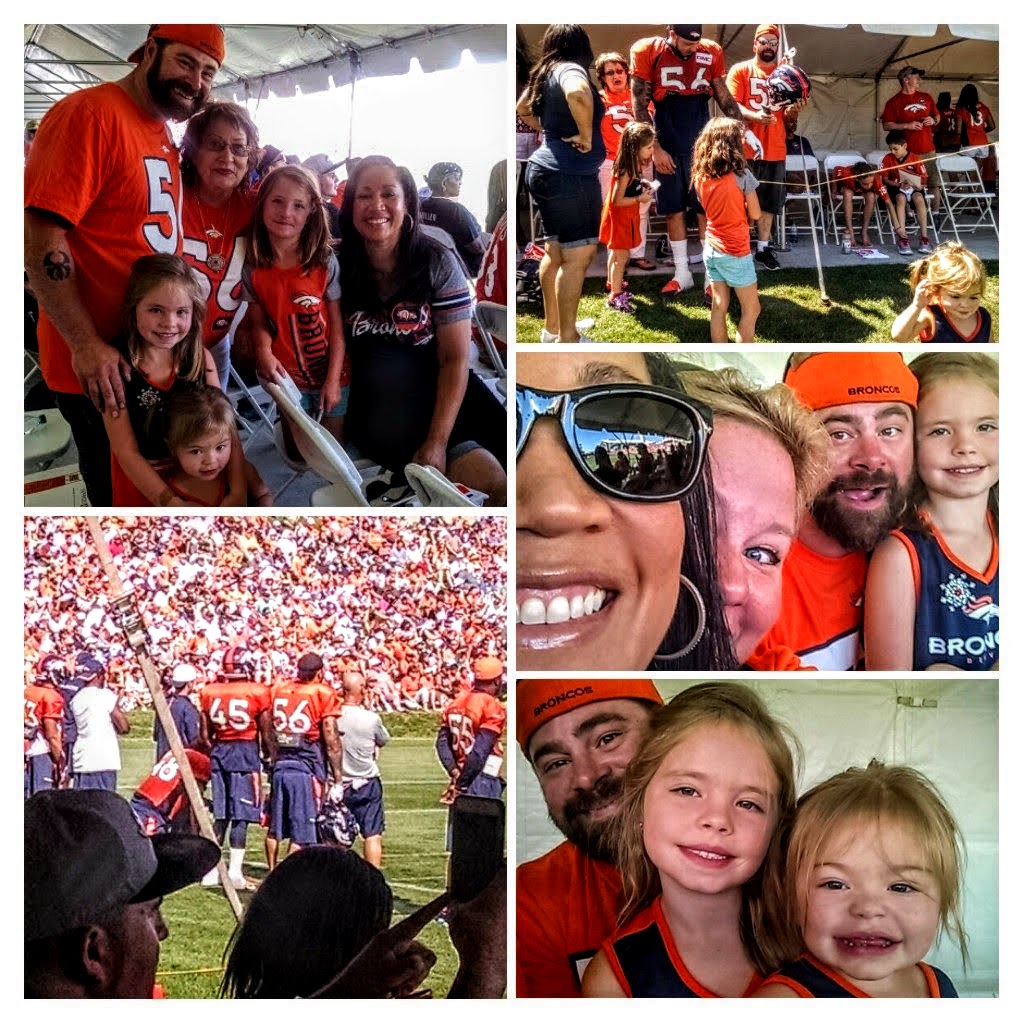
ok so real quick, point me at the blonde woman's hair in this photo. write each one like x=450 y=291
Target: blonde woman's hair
x=635 y=136
x=719 y=149
x=776 y=411
x=147 y=273
x=932 y=369
x=315 y=239
x=889 y=797
x=951 y=266
x=706 y=704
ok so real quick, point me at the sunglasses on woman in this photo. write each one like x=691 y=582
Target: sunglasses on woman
x=632 y=441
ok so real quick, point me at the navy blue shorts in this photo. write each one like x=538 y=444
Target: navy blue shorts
x=367 y=805
x=569 y=205
x=38 y=774
x=95 y=780
x=295 y=797
x=676 y=194
x=235 y=781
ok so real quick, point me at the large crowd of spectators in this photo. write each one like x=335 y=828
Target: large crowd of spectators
x=409 y=602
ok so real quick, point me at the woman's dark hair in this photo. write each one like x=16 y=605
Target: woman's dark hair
x=413 y=250
x=561 y=44
x=943 y=101
x=313 y=913
x=714 y=650
x=968 y=98
x=237 y=118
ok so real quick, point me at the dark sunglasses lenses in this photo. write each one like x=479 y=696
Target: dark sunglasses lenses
x=638 y=445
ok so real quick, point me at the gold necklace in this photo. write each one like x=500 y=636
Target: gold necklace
x=214 y=260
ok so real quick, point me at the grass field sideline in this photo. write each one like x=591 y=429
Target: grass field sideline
x=200 y=920
x=865 y=302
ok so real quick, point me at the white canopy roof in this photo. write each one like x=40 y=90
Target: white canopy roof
x=60 y=59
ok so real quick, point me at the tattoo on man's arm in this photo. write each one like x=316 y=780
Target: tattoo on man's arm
x=726 y=100
x=57 y=265
x=642 y=91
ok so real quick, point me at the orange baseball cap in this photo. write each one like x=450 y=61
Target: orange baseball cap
x=841 y=378
x=487 y=668
x=208 y=39
x=540 y=700
x=768 y=30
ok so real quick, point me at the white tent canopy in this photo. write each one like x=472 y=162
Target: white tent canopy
x=60 y=59
x=852 y=67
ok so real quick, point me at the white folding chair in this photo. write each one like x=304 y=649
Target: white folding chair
x=835 y=199
x=491 y=320
x=966 y=203
x=876 y=156
x=346 y=483
x=807 y=199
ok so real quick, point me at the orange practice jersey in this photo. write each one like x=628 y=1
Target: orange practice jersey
x=654 y=61
x=299 y=708
x=467 y=715
x=232 y=707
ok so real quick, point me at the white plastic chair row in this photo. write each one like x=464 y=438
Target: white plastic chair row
x=965 y=202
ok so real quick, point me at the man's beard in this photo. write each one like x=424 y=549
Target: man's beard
x=767 y=54
x=594 y=838
x=859 y=530
x=167 y=100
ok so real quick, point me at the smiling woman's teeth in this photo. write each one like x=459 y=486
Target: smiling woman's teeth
x=534 y=611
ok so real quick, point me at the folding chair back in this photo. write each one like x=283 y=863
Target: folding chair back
x=966 y=203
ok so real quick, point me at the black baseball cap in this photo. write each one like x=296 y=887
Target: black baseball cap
x=691 y=32
x=85 y=855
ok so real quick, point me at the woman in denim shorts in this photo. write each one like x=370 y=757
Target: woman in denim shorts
x=562 y=175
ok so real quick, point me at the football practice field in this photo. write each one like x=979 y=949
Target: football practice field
x=200 y=920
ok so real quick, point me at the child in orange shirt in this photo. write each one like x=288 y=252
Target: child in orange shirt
x=728 y=192
x=620 y=222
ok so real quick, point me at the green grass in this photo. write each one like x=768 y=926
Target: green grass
x=865 y=300
x=200 y=920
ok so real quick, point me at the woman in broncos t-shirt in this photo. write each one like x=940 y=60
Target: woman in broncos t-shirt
x=406 y=308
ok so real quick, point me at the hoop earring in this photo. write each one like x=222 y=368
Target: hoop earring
x=407 y=217
x=702 y=618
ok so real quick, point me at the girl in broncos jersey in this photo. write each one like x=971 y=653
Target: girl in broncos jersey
x=700 y=815
x=949 y=286
x=871 y=870
x=932 y=597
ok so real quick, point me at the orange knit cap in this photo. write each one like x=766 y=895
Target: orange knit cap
x=539 y=700
x=208 y=39
x=841 y=378
x=768 y=30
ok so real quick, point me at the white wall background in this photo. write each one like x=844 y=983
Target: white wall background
x=843 y=723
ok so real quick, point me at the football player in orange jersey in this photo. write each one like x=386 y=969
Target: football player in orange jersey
x=235 y=718
x=305 y=714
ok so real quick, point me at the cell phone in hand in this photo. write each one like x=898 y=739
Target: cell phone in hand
x=477 y=845
x=651 y=186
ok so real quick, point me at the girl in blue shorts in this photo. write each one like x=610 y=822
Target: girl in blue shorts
x=728 y=192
